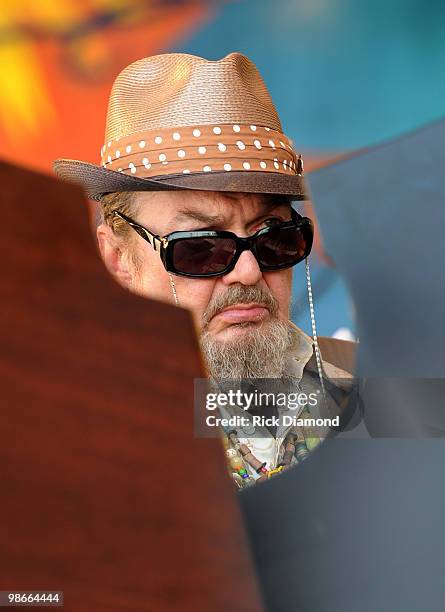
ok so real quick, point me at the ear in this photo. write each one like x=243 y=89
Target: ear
x=112 y=255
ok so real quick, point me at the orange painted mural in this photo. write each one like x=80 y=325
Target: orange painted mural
x=59 y=60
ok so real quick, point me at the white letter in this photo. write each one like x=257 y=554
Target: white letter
x=313 y=399
x=222 y=399
x=247 y=396
x=292 y=401
x=302 y=399
x=210 y=401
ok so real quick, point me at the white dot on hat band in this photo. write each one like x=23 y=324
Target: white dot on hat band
x=283 y=165
x=109 y=143
x=214 y=146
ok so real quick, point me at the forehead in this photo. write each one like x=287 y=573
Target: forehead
x=167 y=207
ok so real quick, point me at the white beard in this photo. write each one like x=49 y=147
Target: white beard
x=261 y=353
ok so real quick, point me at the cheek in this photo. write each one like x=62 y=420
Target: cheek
x=194 y=294
x=280 y=285
x=152 y=281
x=150 y=278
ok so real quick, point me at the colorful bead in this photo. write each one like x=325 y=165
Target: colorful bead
x=277 y=470
x=261 y=468
x=236 y=463
x=301 y=451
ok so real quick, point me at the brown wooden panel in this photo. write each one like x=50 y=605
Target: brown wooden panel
x=341 y=353
x=106 y=494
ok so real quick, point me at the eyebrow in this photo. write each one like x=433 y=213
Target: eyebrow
x=187 y=214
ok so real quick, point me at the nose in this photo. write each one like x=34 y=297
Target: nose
x=246 y=271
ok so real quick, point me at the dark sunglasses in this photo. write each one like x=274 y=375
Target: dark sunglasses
x=206 y=253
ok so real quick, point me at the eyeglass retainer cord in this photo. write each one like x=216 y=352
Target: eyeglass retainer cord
x=318 y=357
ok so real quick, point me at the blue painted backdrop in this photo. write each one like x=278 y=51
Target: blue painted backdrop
x=343 y=74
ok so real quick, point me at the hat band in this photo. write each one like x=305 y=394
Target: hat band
x=203 y=148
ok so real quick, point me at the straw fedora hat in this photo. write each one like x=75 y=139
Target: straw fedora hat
x=177 y=121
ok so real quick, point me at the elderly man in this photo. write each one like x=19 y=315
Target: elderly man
x=196 y=184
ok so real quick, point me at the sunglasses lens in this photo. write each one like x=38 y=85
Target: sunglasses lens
x=198 y=256
x=282 y=247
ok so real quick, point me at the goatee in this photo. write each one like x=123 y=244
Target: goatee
x=261 y=352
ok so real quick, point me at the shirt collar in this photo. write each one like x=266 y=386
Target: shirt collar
x=301 y=351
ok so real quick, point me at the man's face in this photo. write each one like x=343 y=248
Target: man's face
x=244 y=310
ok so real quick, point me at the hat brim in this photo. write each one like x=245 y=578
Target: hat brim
x=97 y=181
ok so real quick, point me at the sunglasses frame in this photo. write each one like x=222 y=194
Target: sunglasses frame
x=164 y=244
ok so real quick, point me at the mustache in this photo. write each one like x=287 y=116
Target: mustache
x=240 y=294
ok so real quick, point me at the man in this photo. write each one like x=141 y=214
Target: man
x=196 y=185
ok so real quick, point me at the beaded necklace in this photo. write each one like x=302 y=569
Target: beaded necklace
x=239 y=456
